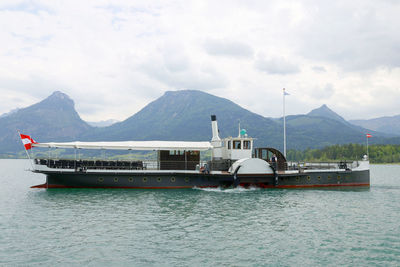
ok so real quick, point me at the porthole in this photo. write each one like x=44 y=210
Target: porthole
x=159 y=179
x=116 y=179
x=144 y=179
x=338 y=177
x=130 y=179
x=308 y=178
x=297 y=178
x=173 y=179
x=101 y=179
x=319 y=177
x=187 y=179
x=329 y=177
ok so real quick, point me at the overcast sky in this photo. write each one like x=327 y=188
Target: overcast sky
x=113 y=57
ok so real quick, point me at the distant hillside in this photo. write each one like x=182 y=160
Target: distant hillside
x=390 y=125
x=180 y=115
x=105 y=123
x=52 y=119
x=185 y=115
x=9 y=113
x=317 y=132
x=326 y=112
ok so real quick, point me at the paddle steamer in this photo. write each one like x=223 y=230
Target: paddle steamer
x=234 y=162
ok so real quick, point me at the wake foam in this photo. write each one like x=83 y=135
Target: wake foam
x=236 y=190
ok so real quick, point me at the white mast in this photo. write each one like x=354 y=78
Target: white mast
x=284 y=123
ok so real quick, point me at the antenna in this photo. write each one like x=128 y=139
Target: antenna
x=239 y=128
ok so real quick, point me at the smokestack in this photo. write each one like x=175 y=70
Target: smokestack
x=214 y=126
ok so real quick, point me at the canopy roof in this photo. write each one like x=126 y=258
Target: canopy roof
x=131 y=145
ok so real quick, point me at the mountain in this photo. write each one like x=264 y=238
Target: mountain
x=104 y=123
x=54 y=118
x=325 y=112
x=9 y=113
x=185 y=115
x=318 y=132
x=390 y=125
x=180 y=115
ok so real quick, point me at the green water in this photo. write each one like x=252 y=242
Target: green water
x=210 y=227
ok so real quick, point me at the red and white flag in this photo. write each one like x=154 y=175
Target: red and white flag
x=27 y=141
x=368 y=135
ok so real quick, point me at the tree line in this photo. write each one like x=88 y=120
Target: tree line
x=377 y=153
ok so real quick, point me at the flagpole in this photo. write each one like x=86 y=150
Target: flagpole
x=19 y=135
x=367 y=147
x=284 y=125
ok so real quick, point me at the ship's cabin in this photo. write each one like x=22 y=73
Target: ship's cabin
x=235 y=148
x=178 y=159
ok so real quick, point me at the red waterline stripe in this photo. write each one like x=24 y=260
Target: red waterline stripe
x=184 y=187
x=118 y=187
x=320 y=185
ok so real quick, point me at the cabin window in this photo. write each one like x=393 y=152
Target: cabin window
x=246 y=144
x=236 y=144
x=176 y=152
x=229 y=144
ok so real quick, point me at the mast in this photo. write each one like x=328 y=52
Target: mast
x=239 y=128
x=284 y=124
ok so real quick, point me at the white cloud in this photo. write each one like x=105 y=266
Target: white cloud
x=276 y=65
x=226 y=48
x=114 y=57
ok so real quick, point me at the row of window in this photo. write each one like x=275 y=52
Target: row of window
x=237 y=144
x=144 y=179
x=182 y=152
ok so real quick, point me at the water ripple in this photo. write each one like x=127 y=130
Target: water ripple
x=199 y=227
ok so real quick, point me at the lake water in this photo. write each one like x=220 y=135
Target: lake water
x=194 y=227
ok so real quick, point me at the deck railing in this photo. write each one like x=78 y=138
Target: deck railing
x=322 y=165
x=83 y=165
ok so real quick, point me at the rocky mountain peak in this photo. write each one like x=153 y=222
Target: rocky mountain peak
x=58 y=99
x=326 y=112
